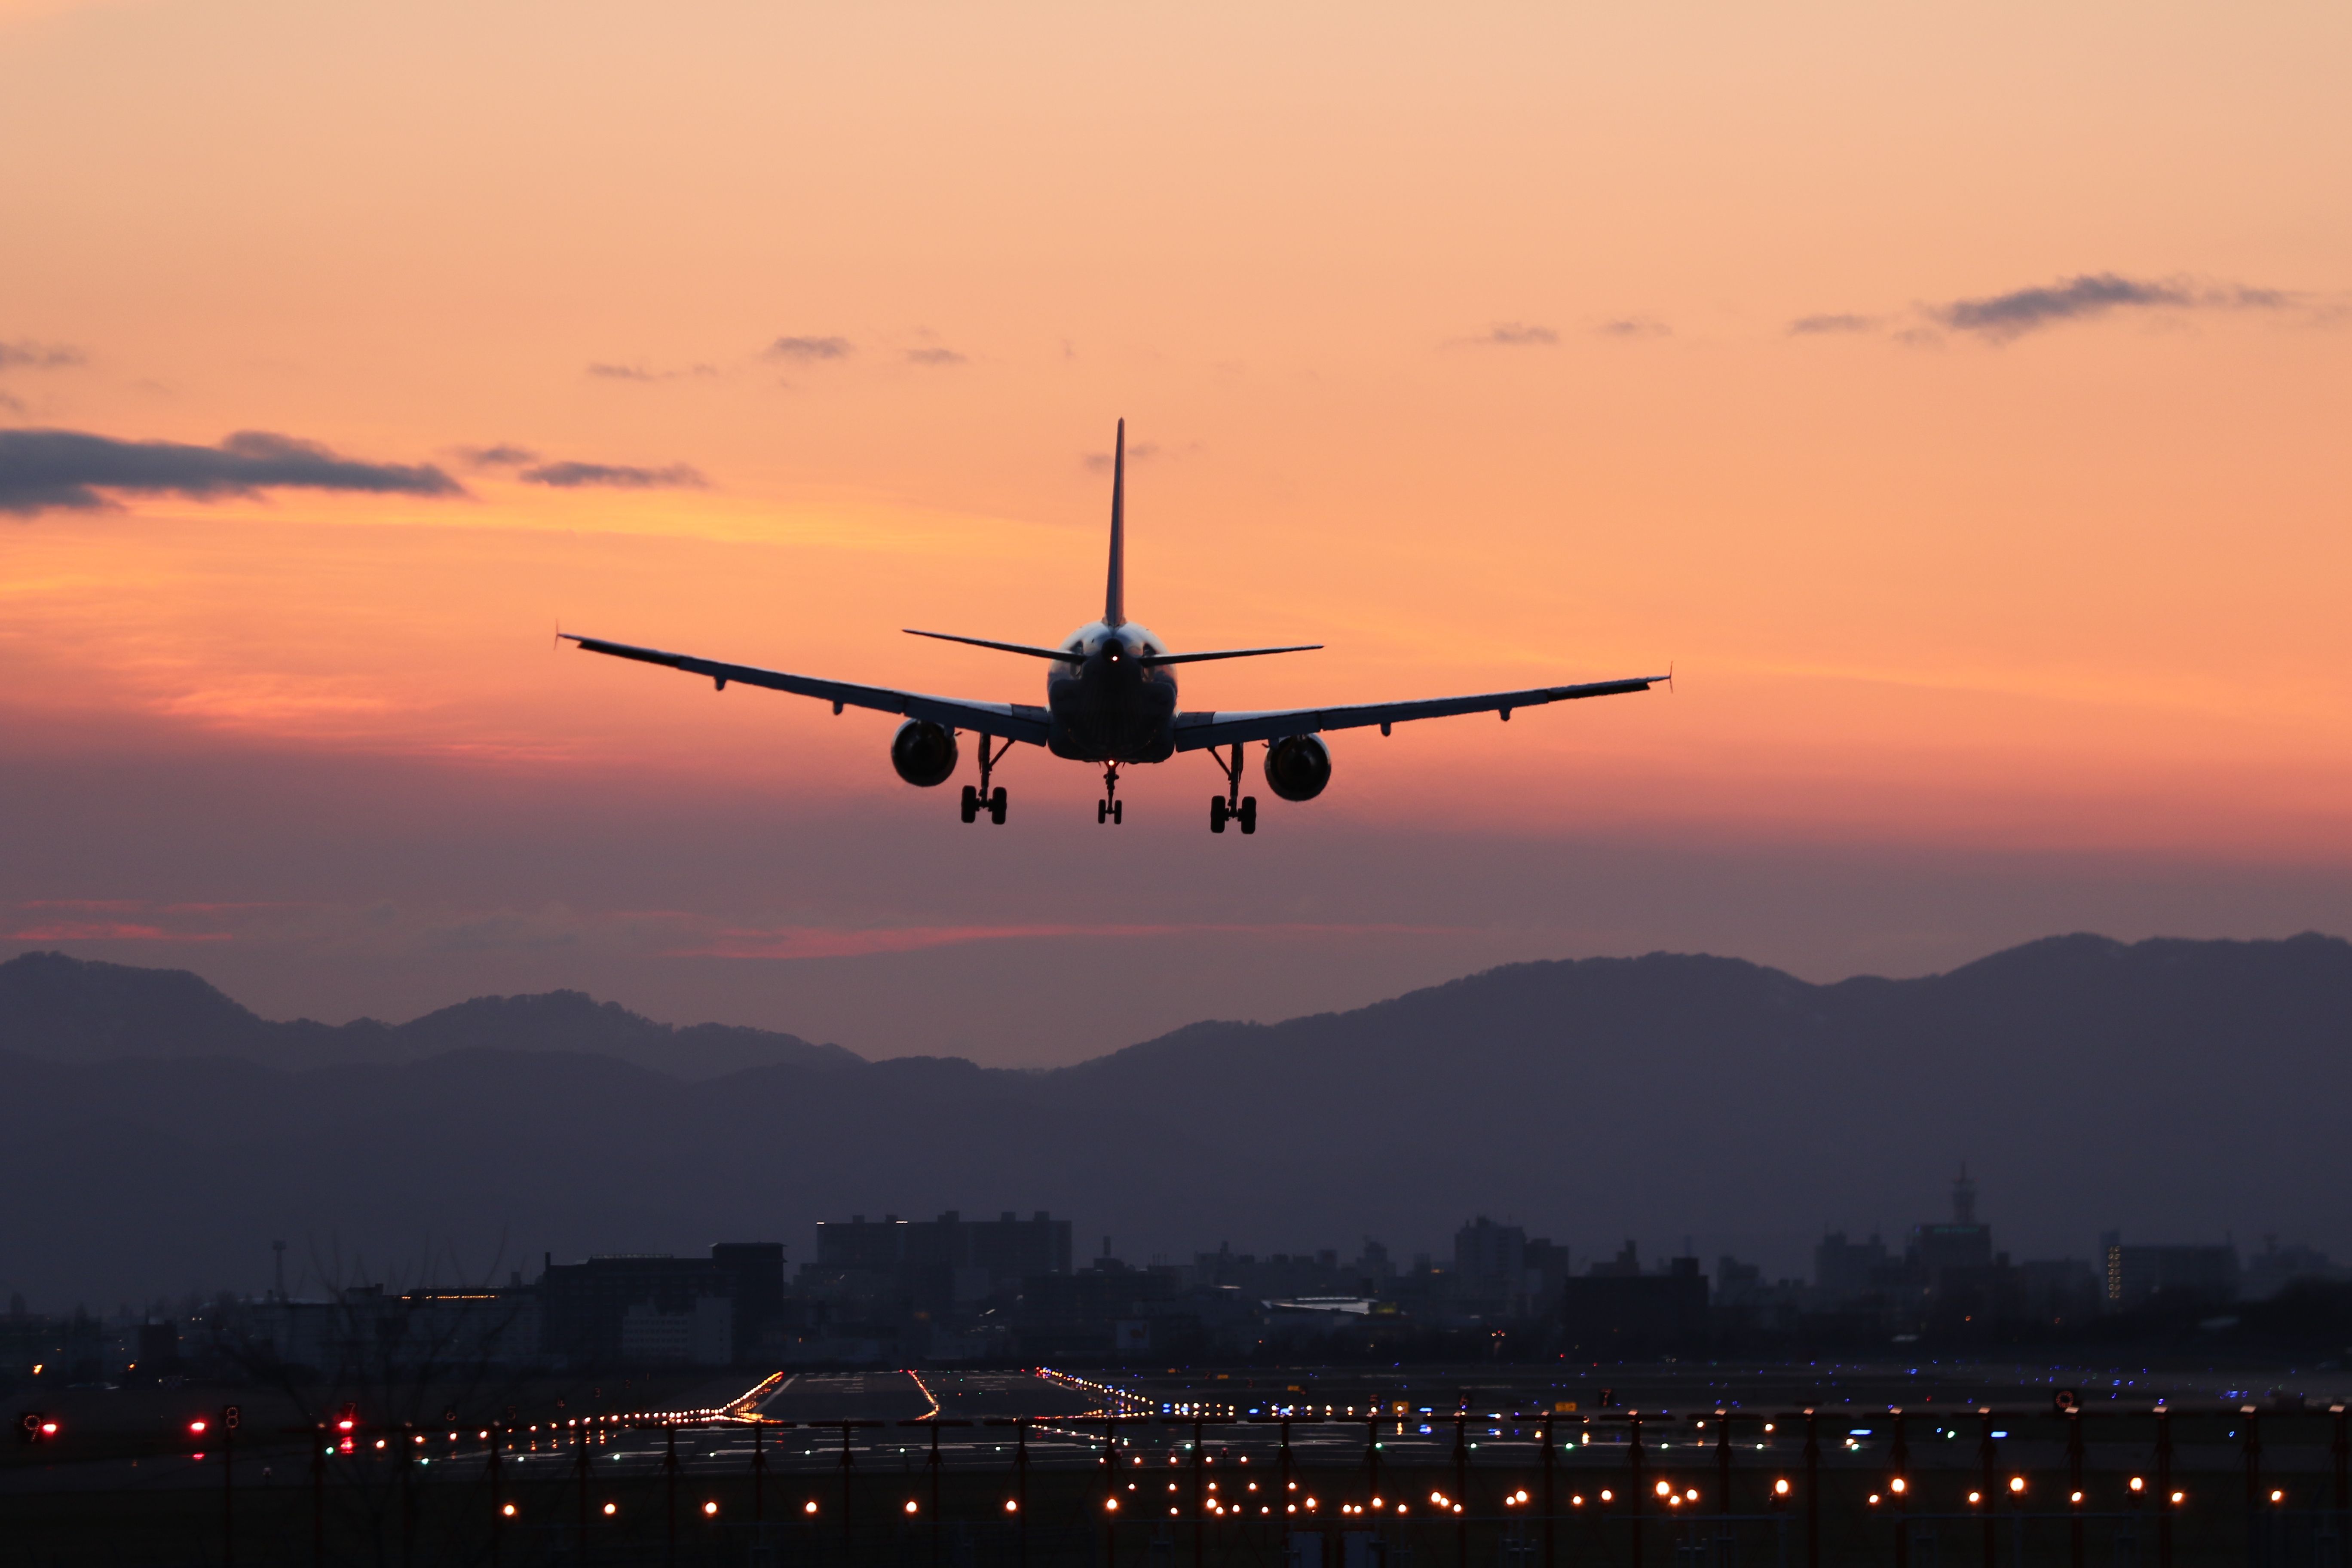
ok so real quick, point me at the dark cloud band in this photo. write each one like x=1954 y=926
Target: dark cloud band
x=809 y=348
x=72 y=471
x=29 y=356
x=614 y=476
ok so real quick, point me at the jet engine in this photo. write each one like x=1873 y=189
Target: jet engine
x=923 y=752
x=1297 y=767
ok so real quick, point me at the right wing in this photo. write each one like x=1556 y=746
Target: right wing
x=1198 y=731
x=1011 y=720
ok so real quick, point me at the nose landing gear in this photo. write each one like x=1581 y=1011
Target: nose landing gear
x=1232 y=805
x=1108 y=808
x=976 y=801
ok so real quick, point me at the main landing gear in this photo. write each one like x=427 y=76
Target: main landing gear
x=1232 y=805
x=1108 y=808
x=976 y=801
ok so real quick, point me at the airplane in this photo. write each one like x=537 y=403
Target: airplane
x=1110 y=698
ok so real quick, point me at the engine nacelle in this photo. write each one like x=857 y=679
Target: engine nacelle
x=1297 y=767
x=923 y=752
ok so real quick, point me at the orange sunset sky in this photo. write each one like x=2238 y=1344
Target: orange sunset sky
x=1955 y=396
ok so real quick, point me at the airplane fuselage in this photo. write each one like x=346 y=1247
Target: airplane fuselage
x=1112 y=708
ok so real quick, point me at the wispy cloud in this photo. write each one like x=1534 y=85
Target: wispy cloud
x=2023 y=311
x=2000 y=318
x=614 y=476
x=810 y=349
x=1812 y=326
x=501 y=455
x=1627 y=327
x=934 y=356
x=603 y=371
x=23 y=354
x=1136 y=452
x=72 y=471
x=819 y=941
x=1518 y=335
x=106 y=931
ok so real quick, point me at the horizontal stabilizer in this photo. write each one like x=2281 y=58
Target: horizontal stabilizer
x=1066 y=654
x=1150 y=659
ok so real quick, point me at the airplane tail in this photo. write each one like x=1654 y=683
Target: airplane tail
x=1114 y=598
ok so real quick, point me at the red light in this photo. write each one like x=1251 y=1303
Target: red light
x=48 y=1428
x=196 y=1428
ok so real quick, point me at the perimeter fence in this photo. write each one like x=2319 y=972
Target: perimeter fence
x=1379 y=1487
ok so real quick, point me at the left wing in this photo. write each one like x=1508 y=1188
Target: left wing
x=1198 y=731
x=1016 y=721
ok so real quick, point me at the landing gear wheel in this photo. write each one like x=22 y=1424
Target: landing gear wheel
x=970 y=803
x=1102 y=812
x=996 y=807
x=1216 y=814
x=1119 y=811
x=1248 y=813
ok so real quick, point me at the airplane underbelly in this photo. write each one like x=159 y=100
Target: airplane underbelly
x=1136 y=726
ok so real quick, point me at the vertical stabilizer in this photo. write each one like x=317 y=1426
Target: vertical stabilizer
x=1114 y=598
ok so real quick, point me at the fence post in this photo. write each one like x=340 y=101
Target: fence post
x=1551 y=1517
x=2342 y=1450
x=2075 y=1552
x=2163 y=1487
x=496 y=1516
x=1633 y=1460
x=1813 y=1490
x=669 y=1490
x=2253 y=1450
x=1992 y=1457
x=1898 y=1454
x=1200 y=1459
x=318 y=1498
x=1110 y=1488
x=1462 y=1484
x=580 y=1467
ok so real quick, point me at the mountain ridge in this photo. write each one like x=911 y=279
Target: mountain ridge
x=2181 y=1091
x=96 y=1010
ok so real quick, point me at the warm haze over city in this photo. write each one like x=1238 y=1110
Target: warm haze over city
x=1955 y=396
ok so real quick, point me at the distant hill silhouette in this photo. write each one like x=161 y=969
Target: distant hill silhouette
x=161 y=1136
x=69 y=1009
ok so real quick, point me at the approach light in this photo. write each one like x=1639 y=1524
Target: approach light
x=1897 y=1486
x=809 y=1507
x=2278 y=1497
x=1607 y=1496
x=1111 y=1505
x=2138 y=1484
x=1663 y=1489
x=2076 y=1497
x=1975 y=1498
x=710 y=1510
x=1781 y=1488
x=507 y=1511
x=611 y=1508
x=1011 y=1506
x=2179 y=1497
x=2016 y=1485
